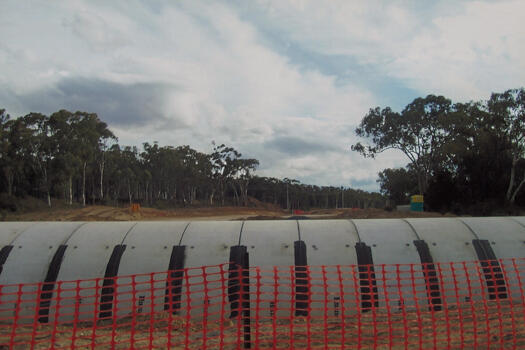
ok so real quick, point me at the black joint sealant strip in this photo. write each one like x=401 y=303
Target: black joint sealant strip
x=301 y=279
x=175 y=277
x=238 y=297
x=237 y=262
x=367 y=276
x=108 y=291
x=246 y=301
x=49 y=284
x=183 y=232
x=240 y=232
x=355 y=228
x=491 y=269
x=429 y=271
x=4 y=254
x=46 y=294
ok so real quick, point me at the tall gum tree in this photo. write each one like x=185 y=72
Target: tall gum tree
x=418 y=131
x=42 y=147
x=61 y=128
x=4 y=149
x=90 y=133
x=508 y=115
x=222 y=160
x=14 y=151
x=242 y=176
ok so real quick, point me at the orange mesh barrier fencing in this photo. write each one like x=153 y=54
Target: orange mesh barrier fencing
x=421 y=306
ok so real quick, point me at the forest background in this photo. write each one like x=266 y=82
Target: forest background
x=466 y=158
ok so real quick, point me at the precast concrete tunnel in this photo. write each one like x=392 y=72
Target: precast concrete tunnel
x=33 y=252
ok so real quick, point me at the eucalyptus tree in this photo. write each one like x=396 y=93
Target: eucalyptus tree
x=194 y=169
x=222 y=159
x=42 y=148
x=75 y=154
x=164 y=165
x=89 y=133
x=14 y=149
x=418 y=131
x=131 y=171
x=107 y=138
x=4 y=149
x=508 y=117
x=242 y=175
x=78 y=137
x=62 y=129
x=113 y=180
x=397 y=184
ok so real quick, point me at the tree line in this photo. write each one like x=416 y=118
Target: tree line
x=464 y=157
x=73 y=157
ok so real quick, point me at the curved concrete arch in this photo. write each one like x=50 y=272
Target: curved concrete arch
x=89 y=251
x=208 y=242
x=149 y=247
x=29 y=262
x=33 y=250
x=519 y=219
x=328 y=243
x=448 y=239
x=504 y=235
x=9 y=231
x=271 y=243
x=391 y=242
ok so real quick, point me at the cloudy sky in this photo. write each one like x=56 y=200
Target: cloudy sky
x=283 y=81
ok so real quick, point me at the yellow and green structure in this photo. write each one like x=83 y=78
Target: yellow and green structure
x=416 y=202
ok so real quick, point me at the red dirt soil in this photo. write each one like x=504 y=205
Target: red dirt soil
x=258 y=211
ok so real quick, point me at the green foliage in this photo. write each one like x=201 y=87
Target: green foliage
x=398 y=184
x=508 y=121
x=74 y=157
x=292 y=194
x=418 y=131
x=468 y=157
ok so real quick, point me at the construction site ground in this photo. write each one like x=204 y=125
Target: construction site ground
x=109 y=213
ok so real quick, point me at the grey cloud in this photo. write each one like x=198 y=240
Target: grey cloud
x=365 y=183
x=296 y=146
x=117 y=104
x=95 y=31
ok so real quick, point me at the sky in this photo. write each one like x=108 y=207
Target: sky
x=282 y=81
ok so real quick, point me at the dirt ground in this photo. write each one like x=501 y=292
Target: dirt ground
x=490 y=325
x=259 y=212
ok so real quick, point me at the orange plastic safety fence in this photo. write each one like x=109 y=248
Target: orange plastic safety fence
x=418 y=306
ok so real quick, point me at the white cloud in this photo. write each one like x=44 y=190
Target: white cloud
x=470 y=54
x=463 y=49
x=222 y=80
x=370 y=31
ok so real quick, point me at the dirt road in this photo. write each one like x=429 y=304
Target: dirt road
x=107 y=213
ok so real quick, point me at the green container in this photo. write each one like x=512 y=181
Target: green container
x=416 y=206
